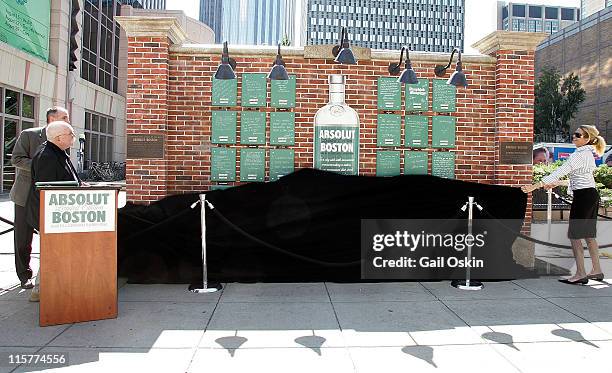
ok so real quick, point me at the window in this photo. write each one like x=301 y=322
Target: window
x=99 y=139
x=515 y=26
x=521 y=25
x=518 y=10
x=551 y=13
x=535 y=11
x=17 y=113
x=532 y=26
x=100 y=43
x=567 y=14
x=505 y=12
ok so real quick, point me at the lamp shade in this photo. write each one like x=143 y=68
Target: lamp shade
x=278 y=72
x=408 y=75
x=346 y=57
x=225 y=72
x=458 y=79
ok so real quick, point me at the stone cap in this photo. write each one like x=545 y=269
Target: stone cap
x=509 y=40
x=154 y=27
x=321 y=52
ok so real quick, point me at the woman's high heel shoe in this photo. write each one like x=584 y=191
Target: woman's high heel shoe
x=596 y=277
x=580 y=281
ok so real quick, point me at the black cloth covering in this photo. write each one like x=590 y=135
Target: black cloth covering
x=313 y=213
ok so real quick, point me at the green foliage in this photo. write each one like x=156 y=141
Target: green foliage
x=602 y=175
x=285 y=42
x=556 y=102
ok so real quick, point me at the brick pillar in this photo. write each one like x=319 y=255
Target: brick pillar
x=149 y=40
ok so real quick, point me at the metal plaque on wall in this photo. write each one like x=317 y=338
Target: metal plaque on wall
x=388 y=130
x=252 y=164
x=223 y=164
x=415 y=163
x=444 y=96
x=417 y=131
x=223 y=127
x=282 y=128
x=515 y=152
x=389 y=94
x=224 y=92
x=443 y=131
x=145 y=146
x=253 y=128
x=417 y=96
x=281 y=163
x=254 y=90
x=443 y=164
x=387 y=163
x=282 y=93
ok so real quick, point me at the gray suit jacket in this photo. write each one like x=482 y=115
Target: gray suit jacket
x=28 y=142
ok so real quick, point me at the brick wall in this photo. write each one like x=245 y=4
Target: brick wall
x=169 y=93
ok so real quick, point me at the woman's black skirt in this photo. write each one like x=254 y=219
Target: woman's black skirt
x=583 y=214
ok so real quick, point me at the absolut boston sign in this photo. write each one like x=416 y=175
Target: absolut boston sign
x=79 y=211
x=336 y=142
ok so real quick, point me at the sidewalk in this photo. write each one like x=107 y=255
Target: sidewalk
x=536 y=325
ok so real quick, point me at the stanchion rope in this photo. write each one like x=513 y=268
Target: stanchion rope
x=570 y=202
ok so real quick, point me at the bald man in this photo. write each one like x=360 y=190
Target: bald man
x=51 y=163
x=25 y=147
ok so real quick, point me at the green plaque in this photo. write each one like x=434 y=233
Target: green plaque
x=283 y=93
x=417 y=96
x=223 y=164
x=443 y=164
x=415 y=163
x=252 y=164
x=223 y=127
x=282 y=128
x=444 y=96
x=254 y=90
x=389 y=94
x=443 y=131
x=387 y=163
x=220 y=187
x=224 y=92
x=388 y=130
x=252 y=128
x=281 y=163
x=417 y=131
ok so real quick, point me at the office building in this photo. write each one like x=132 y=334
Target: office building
x=588 y=7
x=249 y=22
x=585 y=49
x=153 y=4
x=534 y=17
x=428 y=25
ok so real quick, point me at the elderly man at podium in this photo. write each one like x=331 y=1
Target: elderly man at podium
x=50 y=163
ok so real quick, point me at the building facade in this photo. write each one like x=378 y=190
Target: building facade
x=249 y=22
x=589 y=7
x=524 y=17
x=429 y=25
x=585 y=49
x=153 y=4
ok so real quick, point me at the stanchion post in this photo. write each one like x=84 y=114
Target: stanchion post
x=206 y=287
x=549 y=212
x=468 y=283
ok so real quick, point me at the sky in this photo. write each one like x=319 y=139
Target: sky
x=480 y=16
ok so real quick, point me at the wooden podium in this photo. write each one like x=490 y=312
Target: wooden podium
x=78 y=254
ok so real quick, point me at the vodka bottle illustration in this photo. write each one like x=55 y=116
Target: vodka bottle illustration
x=336 y=142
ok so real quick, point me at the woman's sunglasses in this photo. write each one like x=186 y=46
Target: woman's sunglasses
x=577 y=135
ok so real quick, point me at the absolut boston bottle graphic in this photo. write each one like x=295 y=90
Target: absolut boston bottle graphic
x=336 y=143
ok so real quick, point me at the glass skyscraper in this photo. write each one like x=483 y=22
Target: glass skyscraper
x=250 y=22
x=421 y=25
x=535 y=18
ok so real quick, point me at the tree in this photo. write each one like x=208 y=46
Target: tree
x=285 y=42
x=556 y=102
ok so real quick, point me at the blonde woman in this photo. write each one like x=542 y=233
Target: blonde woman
x=585 y=204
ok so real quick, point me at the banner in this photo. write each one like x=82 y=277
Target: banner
x=79 y=211
x=24 y=24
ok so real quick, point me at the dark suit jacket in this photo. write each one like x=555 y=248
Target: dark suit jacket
x=26 y=146
x=50 y=163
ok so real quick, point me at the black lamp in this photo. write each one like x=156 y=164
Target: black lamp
x=278 y=71
x=458 y=78
x=408 y=75
x=342 y=51
x=225 y=71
